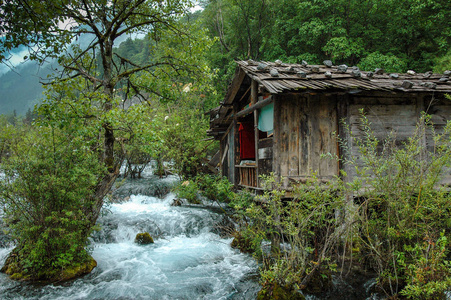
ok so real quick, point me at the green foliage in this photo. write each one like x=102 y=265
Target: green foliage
x=106 y=105
x=443 y=63
x=404 y=211
x=398 y=225
x=215 y=188
x=9 y=134
x=393 y=35
x=306 y=223
x=389 y=63
x=188 y=190
x=47 y=199
x=210 y=186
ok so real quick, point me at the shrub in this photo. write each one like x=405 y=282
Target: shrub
x=47 y=199
x=404 y=211
x=188 y=190
x=210 y=186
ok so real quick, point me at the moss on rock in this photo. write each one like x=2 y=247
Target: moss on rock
x=12 y=267
x=78 y=270
x=143 y=238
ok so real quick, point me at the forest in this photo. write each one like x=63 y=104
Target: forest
x=139 y=92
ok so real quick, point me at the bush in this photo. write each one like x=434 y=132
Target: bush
x=210 y=186
x=188 y=190
x=302 y=232
x=404 y=211
x=400 y=222
x=46 y=195
x=215 y=188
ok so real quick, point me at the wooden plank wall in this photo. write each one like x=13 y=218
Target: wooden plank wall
x=397 y=113
x=306 y=126
x=439 y=109
x=388 y=114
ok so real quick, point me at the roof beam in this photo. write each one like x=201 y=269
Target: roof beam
x=257 y=105
x=234 y=86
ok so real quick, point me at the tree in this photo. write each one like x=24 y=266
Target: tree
x=409 y=33
x=95 y=79
x=57 y=23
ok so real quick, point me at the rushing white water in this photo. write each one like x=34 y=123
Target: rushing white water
x=187 y=260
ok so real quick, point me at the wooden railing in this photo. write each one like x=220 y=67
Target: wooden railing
x=247 y=175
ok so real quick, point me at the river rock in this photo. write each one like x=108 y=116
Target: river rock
x=177 y=202
x=143 y=238
x=262 y=66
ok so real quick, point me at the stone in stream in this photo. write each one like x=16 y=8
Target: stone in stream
x=177 y=202
x=143 y=239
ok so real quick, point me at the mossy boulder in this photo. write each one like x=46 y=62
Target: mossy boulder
x=12 y=267
x=143 y=238
x=78 y=270
x=277 y=292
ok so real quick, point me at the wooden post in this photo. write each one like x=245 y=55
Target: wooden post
x=237 y=145
x=254 y=95
x=221 y=153
x=276 y=138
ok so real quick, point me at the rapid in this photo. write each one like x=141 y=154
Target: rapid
x=190 y=259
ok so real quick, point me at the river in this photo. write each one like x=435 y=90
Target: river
x=189 y=259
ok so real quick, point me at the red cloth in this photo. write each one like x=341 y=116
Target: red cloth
x=247 y=140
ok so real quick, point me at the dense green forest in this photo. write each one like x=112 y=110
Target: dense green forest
x=139 y=91
x=393 y=35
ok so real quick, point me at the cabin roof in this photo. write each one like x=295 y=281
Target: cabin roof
x=277 y=78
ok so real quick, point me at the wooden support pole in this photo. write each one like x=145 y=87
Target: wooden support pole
x=276 y=139
x=254 y=106
x=254 y=95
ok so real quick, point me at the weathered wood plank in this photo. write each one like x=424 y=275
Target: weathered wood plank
x=293 y=136
x=328 y=126
x=254 y=107
x=304 y=112
x=234 y=86
x=284 y=139
x=276 y=137
x=315 y=137
x=265 y=143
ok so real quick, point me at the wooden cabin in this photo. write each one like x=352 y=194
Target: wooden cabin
x=281 y=118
